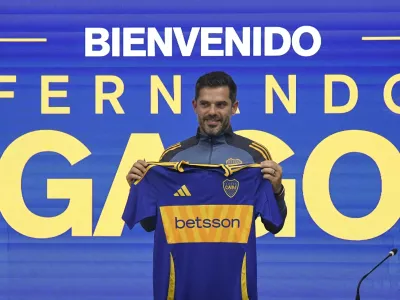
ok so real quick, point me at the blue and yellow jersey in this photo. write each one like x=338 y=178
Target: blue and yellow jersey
x=204 y=242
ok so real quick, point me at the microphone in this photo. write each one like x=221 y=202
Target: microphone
x=391 y=253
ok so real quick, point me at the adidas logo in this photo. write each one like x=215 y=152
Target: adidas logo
x=183 y=191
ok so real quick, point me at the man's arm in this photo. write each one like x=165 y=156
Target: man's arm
x=280 y=198
x=273 y=172
x=276 y=179
x=261 y=155
x=142 y=201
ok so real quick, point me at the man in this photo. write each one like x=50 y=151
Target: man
x=215 y=103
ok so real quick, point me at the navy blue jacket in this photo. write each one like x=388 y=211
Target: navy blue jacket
x=227 y=148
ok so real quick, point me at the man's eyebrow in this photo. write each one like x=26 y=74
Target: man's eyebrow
x=222 y=102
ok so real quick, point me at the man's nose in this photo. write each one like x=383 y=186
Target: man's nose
x=212 y=110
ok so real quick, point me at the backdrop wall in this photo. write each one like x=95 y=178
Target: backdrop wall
x=59 y=140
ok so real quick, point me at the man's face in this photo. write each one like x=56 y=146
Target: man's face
x=214 y=110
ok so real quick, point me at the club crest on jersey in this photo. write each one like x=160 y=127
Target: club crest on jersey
x=233 y=161
x=231 y=187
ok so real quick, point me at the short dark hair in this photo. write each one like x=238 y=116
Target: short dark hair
x=217 y=79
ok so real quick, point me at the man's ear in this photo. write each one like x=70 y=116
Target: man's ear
x=235 y=107
x=194 y=104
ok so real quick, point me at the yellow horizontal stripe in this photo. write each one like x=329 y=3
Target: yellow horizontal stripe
x=238 y=168
x=207 y=223
x=226 y=168
x=204 y=165
x=6 y=94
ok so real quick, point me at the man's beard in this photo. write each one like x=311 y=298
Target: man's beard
x=221 y=125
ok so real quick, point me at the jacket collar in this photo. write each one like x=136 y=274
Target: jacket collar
x=222 y=137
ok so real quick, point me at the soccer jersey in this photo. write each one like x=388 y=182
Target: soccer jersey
x=204 y=242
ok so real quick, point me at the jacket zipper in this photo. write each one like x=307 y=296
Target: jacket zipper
x=211 y=150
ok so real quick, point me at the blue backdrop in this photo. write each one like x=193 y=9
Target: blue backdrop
x=308 y=263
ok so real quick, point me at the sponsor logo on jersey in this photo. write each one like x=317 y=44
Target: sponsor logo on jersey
x=207 y=223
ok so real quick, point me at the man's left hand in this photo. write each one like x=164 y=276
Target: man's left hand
x=273 y=172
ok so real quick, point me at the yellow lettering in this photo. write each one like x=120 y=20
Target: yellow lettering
x=78 y=215
x=112 y=97
x=140 y=146
x=272 y=85
x=47 y=93
x=280 y=151
x=173 y=102
x=7 y=79
x=387 y=93
x=316 y=185
x=351 y=103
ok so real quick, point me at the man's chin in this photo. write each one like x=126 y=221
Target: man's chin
x=213 y=131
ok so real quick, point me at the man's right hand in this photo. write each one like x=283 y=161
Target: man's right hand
x=137 y=171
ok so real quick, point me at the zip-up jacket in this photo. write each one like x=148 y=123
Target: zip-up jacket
x=227 y=148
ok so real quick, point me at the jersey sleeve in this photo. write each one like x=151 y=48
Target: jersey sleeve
x=142 y=201
x=267 y=207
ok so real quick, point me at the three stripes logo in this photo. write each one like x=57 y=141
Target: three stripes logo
x=182 y=192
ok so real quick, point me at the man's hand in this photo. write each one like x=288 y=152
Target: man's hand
x=137 y=171
x=273 y=172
